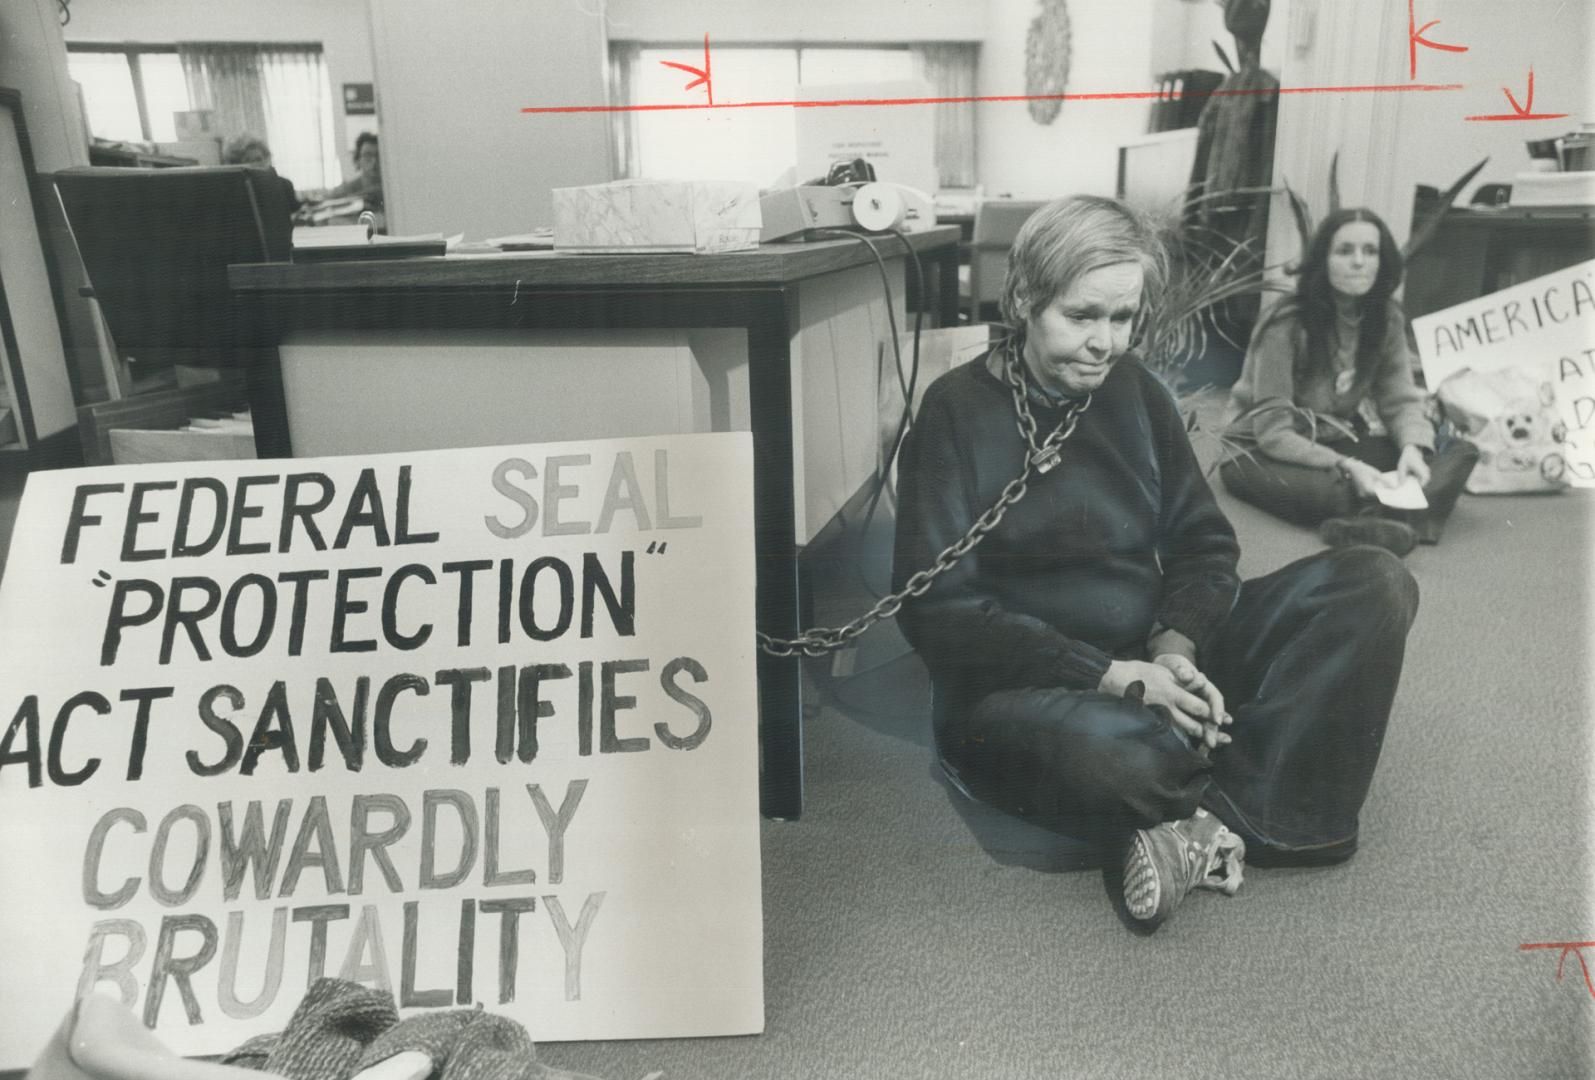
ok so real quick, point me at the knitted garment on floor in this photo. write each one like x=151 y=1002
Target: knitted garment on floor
x=328 y=1032
x=342 y=1028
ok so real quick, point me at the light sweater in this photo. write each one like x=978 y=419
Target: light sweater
x=1268 y=375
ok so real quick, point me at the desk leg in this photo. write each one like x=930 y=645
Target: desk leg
x=947 y=284
x=775 y=536
x=268 y=409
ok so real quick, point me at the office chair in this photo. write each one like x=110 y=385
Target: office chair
x=157 y=243
x=996 y=226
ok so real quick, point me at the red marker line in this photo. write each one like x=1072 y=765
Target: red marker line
x=1132 y=95
x=1574 y=947
x=1520 y=116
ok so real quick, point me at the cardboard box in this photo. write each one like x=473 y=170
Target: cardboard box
x=193 y=124
x=658 y=216
x=1553 y=189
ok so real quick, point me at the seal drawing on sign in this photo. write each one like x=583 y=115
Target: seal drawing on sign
x=1047 y=59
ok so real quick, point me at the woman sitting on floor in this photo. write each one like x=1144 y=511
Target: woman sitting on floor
x=1084 y=657
x=1315 y=362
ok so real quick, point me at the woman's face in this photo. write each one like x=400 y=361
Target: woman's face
x=369 y=160
x=1354 y=258
x=1072 y=343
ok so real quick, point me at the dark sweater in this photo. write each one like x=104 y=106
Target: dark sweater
x=1124 y=533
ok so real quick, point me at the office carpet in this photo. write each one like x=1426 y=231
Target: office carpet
x=906 y=936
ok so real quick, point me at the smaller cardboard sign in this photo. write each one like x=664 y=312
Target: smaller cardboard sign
x=898 y=140
x=1545 y=328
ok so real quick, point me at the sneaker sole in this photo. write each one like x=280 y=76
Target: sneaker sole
x=1142 y=890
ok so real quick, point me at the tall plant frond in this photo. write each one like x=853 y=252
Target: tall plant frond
x=1423 y=231
x=1302 y=216
x=1223 y=58
x=1334 y=183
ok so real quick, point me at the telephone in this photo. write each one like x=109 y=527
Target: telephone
x=848 y=196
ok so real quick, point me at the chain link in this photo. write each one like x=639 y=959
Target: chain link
x=824 y=639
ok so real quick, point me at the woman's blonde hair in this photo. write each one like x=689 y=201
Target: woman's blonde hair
x=1074 y=236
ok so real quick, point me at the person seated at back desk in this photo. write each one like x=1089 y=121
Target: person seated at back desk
x=367 y=182
x=249 y=149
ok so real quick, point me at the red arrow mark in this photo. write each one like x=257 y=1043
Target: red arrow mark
x=1524 y=111
x=1564 y=948
x=1415 y=38
x=704 y=79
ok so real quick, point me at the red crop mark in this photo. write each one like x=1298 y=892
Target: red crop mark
x=1131 y=95
x=704 y=79
x=1524 y=111
x=1565 y=947
x=1415 y=38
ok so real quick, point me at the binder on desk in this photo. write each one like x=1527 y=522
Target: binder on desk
x=341 y=243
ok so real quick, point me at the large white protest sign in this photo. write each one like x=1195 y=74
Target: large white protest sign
x=478 y=726
x=1544 y=327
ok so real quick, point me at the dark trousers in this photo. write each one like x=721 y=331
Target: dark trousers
x=1308 y=497
x=1308 y=661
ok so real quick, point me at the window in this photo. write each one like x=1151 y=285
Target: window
x=113 y=93
x=277 y=92
x=756 y=145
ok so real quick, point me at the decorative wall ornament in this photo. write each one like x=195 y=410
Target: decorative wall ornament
x=1047 y=58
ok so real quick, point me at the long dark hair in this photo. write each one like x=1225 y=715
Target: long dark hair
x=1314 y=302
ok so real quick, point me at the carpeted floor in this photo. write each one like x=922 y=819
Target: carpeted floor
x=898 y=945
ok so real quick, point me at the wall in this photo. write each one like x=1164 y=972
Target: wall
x=1184 y=31
x=1436 y=145
x=457 y=152
x=852 y=21
x=1389 y=143
x=341 y=26
x=1078 y=151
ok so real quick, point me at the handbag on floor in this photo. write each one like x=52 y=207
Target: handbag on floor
x=1511 y=417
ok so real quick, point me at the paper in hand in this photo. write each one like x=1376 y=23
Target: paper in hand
x=1401 y=492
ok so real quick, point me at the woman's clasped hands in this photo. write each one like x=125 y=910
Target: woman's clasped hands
x=1173 y=683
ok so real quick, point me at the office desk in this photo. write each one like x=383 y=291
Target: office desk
x=372 y=356
x=1476 y=252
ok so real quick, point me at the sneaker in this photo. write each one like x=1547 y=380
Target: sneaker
x=1396 y=537
x=1166 y=862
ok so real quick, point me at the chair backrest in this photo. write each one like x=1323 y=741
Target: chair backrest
x=157 y=244
x=997 y=224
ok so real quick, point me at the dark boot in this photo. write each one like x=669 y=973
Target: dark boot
x=1396 y=537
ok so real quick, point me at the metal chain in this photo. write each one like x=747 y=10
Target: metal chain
x=1041 y=458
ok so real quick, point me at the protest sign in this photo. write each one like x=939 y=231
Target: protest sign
x=1545 y=328
x=476 y=726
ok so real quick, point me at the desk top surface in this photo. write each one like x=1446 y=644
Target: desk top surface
x=769 y=264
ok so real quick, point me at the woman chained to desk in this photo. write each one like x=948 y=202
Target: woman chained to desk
x=1098 y=666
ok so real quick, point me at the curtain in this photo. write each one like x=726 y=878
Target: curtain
x=624 y=56
x=225 y=78
x=299 y=121
x=276 y=92
x=950 y=70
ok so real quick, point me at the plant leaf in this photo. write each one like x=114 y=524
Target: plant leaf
x=1223 y=58
x=1334 y=183
x=1423 y=231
